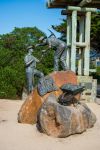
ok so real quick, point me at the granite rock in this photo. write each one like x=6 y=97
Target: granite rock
x=61 y=121
x=30 y=107
x=97 y=101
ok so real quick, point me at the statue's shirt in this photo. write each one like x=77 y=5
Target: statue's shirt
x=30 y=62
x=54 y=42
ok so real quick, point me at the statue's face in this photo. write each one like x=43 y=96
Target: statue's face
x=31 y=50
x=45 y=40
x=42 y=39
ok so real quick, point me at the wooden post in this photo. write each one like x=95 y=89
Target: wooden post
x=73 y=44
x=69 y=38
x=87 y=40
x=81 y=39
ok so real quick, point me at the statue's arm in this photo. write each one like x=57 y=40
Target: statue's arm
x=49 y=43
x=27 y=63
x=36 y=60
x=42 y=44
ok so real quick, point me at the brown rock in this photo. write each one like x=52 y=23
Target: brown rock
x=28 y=111
x=62 y=77
x=61 y=121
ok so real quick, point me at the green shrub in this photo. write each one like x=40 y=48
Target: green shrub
x=98 y=70
x=12 y=53
x=7 y=91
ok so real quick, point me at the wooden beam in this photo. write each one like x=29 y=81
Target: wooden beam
x=84 y=3
x=81 y=44
x=65 y=12
x=49 y=5
x=61 y=3
x=53 y=4
x=82 y=9
x=65 y=3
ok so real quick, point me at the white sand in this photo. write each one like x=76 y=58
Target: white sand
x=15 y=136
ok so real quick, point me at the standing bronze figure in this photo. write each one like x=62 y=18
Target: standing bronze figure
x=31 y=71
x=60 y=48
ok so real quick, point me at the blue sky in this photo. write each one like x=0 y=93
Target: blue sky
x=27 y=13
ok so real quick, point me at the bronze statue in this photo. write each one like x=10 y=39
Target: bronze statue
x=60 y=48
x=31 y=71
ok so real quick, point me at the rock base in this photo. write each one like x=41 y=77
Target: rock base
x=29 y=109
x=61 y=121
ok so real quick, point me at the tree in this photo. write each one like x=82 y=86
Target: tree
x=95 y=32
x=12 y=53
x=62 y=28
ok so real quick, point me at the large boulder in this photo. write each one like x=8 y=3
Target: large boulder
x=61 y=121
x=29 y=109
x=97 y=101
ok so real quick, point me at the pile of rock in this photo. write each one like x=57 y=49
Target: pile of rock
x=48 y=111
x=29 y=109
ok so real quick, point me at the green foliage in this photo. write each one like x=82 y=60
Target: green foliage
x=7 y=90
x=12 y=53
x=95 y=30
x=62 y=28
x=46 y=65
x=98 y=71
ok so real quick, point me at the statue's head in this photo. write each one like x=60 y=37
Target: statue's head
x=30 y=49
x=42 y=38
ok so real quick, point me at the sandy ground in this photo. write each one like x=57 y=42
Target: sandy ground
x=15 y=136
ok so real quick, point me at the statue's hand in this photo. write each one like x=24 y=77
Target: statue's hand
x=37 y=45
x=36 y=60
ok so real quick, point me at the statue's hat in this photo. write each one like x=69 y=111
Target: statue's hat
x=29 y=47
x=42 y=38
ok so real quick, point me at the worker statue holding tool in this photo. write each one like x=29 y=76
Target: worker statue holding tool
x=60 y=48
x=31 y=71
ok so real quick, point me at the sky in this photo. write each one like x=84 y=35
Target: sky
x=27 y=13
